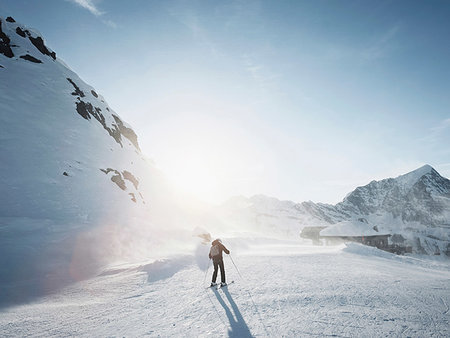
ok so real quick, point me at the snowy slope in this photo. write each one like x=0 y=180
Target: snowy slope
x=286 y=290
x=57 y=134
x=77 y=192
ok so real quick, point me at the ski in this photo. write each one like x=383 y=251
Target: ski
x=220 y=287
x=217 y=286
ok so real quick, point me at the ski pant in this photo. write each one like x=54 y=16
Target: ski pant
x=222 y=271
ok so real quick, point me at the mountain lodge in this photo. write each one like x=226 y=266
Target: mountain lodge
x=355 y=231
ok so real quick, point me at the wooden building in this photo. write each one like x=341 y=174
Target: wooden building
x=355 y=231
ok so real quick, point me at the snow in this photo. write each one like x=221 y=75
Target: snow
x=339 y=291
x=79 y=257
x=43 y=136
x=350 y=228
x=409 y=179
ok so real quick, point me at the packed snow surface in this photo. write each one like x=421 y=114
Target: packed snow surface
x=280 y=289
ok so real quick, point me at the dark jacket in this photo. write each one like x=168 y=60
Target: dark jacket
x=222 y=248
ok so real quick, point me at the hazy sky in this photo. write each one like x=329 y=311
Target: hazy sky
x=301 y=100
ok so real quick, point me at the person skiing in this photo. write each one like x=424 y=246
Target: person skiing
x=215 y=253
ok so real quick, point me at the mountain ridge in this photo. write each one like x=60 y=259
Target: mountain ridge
x=415 y=204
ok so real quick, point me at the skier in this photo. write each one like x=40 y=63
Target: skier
x=215 y=253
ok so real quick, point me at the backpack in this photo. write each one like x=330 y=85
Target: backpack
x=215 y=250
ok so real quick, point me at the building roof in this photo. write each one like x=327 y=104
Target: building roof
x=353 y=228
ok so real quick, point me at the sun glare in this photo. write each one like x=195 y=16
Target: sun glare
x=209 y=158
x=194 y=173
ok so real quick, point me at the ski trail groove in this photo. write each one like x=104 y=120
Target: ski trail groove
x=445 y=305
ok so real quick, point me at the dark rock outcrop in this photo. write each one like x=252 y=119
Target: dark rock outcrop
x=30 y=58
x=5 y=47
x=130 y=177
x=127 y=132
x=78 y=91
x=10 y=19
x=21 y=32
x=87 y=110
x=107 y=170
x=39 y=44
x=117 y=179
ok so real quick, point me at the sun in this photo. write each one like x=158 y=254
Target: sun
x=195 y=170
x=196 y=174
x=206 y=157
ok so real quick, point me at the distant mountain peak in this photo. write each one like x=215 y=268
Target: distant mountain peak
x=411 y=178
x=423 y=170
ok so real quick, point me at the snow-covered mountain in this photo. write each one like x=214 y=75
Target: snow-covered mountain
x=420 y=196
x=76 y=190
x=415 y=205
x=60 y=141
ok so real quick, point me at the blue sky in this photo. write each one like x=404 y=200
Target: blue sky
x=302 y=100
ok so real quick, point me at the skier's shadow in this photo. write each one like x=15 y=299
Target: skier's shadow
x=239 y=327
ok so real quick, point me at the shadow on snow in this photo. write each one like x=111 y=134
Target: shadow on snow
x=163 y=269
x=239 y=327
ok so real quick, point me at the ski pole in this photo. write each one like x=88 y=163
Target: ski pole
x=206 y=272
x=235 y=266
